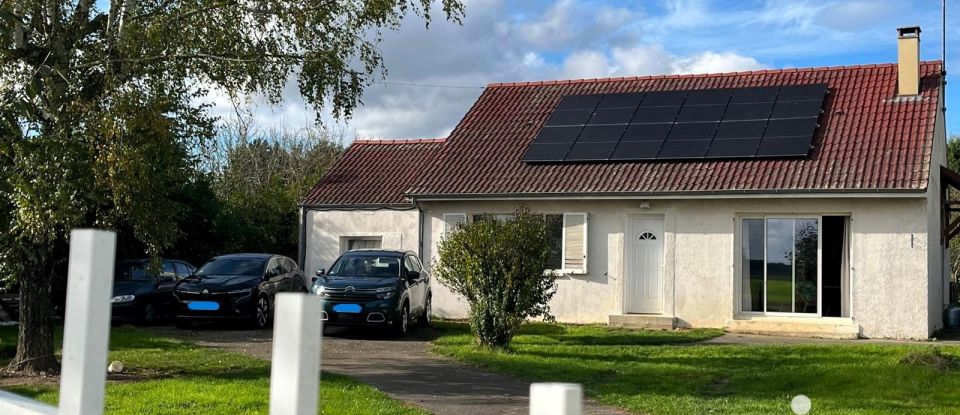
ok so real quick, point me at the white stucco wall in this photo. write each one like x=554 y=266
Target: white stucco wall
x=888 y=258
x=939 y=257
x=398 y=229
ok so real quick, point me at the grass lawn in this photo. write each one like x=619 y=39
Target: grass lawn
x=651 y=372
x=185 y=378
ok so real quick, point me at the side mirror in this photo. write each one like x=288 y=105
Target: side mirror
x=320 y=272
x=413 y=275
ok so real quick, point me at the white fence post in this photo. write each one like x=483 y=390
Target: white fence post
x=556 y=399
x=86 y=328
x=295 y=371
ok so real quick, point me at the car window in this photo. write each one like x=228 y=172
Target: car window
x=408 y=265
x=168 y=268
x=288 y=265
x=132 y=271
x=415 y=263
x=183 y=271
x=274 y=265
x=367 y=265
x=233 y=266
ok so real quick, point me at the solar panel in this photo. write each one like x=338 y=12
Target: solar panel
x=693 y=131
x=693 y=113
x=598 y=133
x=612 y=116
x=592 y=151
x=741 y=129
x=755 y=111
x=784 y=146
x=547 y=152
x=663 y=98
x=569 y=117
x=794 y=109
x=579 y=102
x=637 y=150
x=731 y=123
x=655 y=115
x=558 y=134
x=621 y=100
x=757 y=94
x=684 y=149
x=646 y=132
x=735 y=148
x=708 y=96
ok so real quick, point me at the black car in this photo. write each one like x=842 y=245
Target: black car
x=142 y=296
x=237 y=287
x=379 y=288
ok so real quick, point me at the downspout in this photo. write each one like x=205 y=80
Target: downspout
x=302 y=240
x=419 y=230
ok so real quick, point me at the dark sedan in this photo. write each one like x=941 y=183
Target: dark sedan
x=142 y=296
x=237 y=287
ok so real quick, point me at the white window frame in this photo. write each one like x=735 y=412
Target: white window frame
x=463 y=216
x=739 y=267
x=345 y=240
x=586 y=248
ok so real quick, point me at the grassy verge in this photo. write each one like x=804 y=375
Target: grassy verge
x=652 y=372
x=184 y=378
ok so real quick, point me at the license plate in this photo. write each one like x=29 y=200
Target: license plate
x=347 y=308
x=203 y=305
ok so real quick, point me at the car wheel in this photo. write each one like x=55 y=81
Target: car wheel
x=424 y=320
x=261 y=316
x=400 y=329
x=182 y=323
x=149 y=314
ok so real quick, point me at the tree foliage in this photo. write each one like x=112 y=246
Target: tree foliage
x=101 y=121
x=499 y=266
x=259 y=179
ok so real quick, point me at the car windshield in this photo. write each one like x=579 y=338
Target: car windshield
x=135 y=271
x=366 y=266
x=252 y=267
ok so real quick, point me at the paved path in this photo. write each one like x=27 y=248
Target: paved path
x=404 y=369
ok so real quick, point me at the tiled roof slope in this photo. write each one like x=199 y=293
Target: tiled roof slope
x=868 y=140
x=373 y=172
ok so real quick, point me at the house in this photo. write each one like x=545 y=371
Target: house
x=798 y=201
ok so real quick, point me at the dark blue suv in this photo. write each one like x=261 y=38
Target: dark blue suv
x=377 y=288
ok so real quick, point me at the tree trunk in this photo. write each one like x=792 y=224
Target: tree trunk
x=35 y=342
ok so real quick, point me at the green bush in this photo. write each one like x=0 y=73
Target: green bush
x=499 y=266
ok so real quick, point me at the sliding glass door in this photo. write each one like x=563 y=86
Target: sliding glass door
x=779 y=265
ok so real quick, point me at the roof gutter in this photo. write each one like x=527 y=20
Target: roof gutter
x=398 y=206
x=726 y=194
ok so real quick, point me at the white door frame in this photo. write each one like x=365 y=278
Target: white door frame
x=629 y=257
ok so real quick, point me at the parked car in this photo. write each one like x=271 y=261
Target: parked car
x=142 y=296
x=237 y=287
x=375 y=288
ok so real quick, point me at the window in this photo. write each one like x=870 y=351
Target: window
x=781 y=269
x=575 y=243
x=555 y=230
x=452 y=222
x=365 y=265
x=368 y=242
x=168 y=269
x=183 y=271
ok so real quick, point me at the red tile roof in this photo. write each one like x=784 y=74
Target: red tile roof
x=373 y=172
x=868 y=140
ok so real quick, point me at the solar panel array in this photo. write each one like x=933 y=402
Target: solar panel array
x=734 y=123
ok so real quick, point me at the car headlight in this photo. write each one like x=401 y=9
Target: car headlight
x=320 y=290
x=386 y=293
x=122 y=299
x=241 y=291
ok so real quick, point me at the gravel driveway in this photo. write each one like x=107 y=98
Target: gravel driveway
x=404 y=369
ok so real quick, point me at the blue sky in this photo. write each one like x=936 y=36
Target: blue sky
x=506 y=41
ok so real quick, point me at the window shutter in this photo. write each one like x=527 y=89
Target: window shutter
x=575 y=243
x=452 y=221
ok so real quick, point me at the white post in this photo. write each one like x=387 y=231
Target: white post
x=295 y=371
x=556 y=399
x=12 y=404
x=86 y=328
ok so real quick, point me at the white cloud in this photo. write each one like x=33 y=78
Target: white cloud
x=714 y=62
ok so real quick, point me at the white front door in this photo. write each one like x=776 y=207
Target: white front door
x=645 y=273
